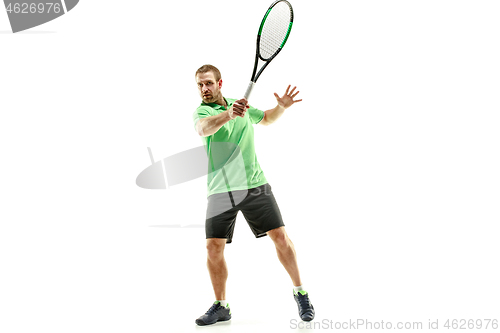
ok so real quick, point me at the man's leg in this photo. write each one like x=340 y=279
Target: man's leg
x=219 y=311
x=286 y=253
x=217 y=266
x=287 y=256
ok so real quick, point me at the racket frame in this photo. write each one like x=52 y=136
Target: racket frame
x=255 y=74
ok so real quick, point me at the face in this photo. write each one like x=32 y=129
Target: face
x=209 y=89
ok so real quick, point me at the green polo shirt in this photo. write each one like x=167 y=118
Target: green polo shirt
x=233 y=164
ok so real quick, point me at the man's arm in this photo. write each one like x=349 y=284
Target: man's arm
x=270 y=116
x=210 y=125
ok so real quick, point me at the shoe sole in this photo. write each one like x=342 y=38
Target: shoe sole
x=202 y=323
x=307 y=318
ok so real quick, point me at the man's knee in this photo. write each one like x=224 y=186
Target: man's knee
x=279 y=237
x=215 y=247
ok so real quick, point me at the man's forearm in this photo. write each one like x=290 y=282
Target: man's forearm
x=210 y=125
x=273 y=114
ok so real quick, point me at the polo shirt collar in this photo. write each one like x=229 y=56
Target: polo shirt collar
x=215 y=105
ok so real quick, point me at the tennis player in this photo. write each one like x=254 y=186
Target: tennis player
x=236 y=182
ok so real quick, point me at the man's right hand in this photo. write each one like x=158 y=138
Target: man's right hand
x=238 y=109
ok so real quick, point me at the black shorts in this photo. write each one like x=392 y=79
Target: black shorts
x=258 y=206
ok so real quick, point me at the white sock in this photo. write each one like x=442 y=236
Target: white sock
x=222 y=303
x=297 y=289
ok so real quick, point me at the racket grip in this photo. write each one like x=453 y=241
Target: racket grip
x=249 y=90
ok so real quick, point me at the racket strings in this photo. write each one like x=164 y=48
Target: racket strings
x=275 y=30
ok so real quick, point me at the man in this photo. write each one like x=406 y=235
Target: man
x=236 y=183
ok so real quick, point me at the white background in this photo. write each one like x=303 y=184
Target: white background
x=386 y=174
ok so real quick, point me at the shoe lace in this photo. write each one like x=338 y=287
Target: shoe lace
x=213 y=309
x=304 y=301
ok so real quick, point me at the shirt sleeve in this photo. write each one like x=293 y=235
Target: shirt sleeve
x=200 y=113
x=255 y=115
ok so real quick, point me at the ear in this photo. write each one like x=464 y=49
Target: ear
x=220 y=83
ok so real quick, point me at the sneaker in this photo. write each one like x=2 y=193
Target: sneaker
x=216 y=313
x=306 y=310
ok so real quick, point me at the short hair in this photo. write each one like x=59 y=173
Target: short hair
x=209 y=68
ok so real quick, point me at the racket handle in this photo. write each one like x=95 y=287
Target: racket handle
x=249 y=90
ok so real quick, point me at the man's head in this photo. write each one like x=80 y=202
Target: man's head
x=209 y=83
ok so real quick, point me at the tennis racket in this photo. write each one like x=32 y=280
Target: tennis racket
x=273 y=34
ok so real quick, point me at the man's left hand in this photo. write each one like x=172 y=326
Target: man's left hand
x=288 y=98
